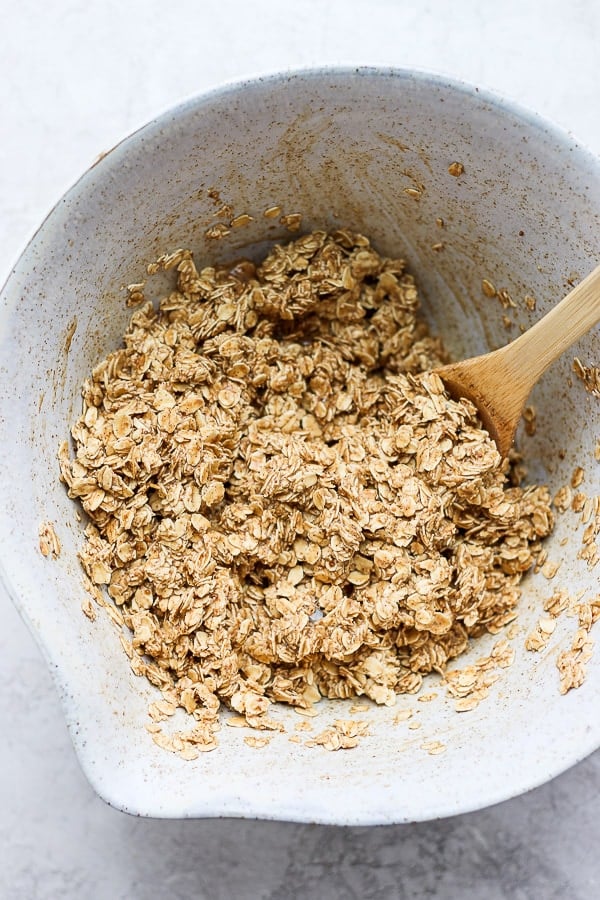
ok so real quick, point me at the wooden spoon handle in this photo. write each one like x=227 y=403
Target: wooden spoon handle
x=530 y=354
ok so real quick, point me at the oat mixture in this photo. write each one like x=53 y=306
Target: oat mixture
x=284 y=504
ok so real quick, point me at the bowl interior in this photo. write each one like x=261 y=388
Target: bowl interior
x=370 y=151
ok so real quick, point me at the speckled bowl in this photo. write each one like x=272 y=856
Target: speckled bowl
x=341 y=147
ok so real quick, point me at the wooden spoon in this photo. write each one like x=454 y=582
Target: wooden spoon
x=499 y=382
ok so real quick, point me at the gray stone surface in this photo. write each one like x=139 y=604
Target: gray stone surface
x=74 y=78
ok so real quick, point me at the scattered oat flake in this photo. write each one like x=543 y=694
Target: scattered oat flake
x=69 y=334
x=541 y=634
x=217 y=232
x=590 y=507
x=88 y=609
x=563 y=498
x=308 y=711
x=503 y=655
x=257 y=741
x=48 y=540
x=236 y=722
x=135 y=293
x=589 y=375
x=433 y=747
x=427 y=698
x=224 y=212
x=403 y=715
x=162 y=740
x=414 y=726
x=571 y=670
x=571 y=663
x=437 y=246
x=188 y=752
x=456 y=169
x=557 y=602
x=577 y=476
x=344 y=734
x=488 y=288
x=530 y=419
x=303 y=726
x=590 y=554
x=413 y=192
x=505 y=299
x=241 y=220
x=549 y=569
x=291 y=221
x=161 y=710
x=272 y=212
x=530 y=302
x=501 y=621
x=468 y=703
x=153 y=728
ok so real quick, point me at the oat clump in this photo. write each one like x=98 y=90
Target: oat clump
x=284 y=502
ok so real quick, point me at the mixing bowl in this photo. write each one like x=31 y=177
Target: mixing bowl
x=371 y=150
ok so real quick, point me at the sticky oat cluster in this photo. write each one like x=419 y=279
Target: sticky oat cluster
x=283 y=501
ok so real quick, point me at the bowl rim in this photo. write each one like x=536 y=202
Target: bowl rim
x=229 y=86
x=269 y=808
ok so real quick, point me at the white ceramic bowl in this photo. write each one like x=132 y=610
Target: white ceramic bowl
x=340 y=147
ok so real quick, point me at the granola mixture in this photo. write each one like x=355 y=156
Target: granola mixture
x=284 y=504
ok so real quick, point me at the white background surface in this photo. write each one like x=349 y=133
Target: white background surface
x=75 y=77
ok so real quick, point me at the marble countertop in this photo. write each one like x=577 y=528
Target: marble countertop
x=74 y=79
